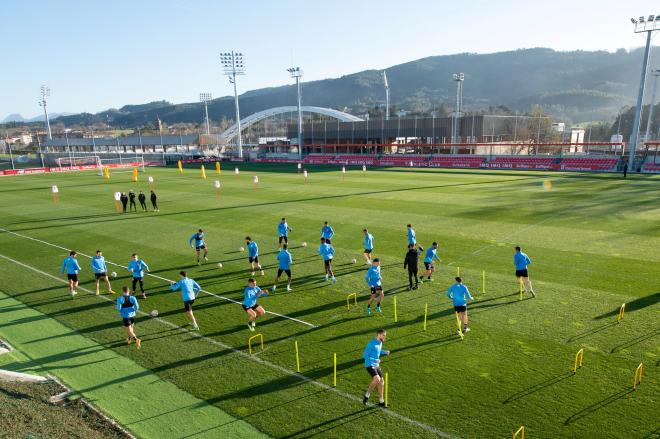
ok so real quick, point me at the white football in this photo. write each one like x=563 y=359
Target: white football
x=154 y=313
x=241 y=249
x=219 y=264
x=304 y=244
x=113 y=274
x=354 y=261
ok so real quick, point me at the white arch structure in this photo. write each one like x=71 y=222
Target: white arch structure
x=232 y=131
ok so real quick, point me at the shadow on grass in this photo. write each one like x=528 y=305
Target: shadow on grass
x=597 y=406
x=330 y=424
x=635 y=305
x=591 y=331
x=635 y=341
x=537 y=387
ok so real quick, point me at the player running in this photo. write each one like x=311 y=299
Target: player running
x=326 y=231
x=411 y=262
x=371 y=355
x=200 y=244
x=374 y=280
x=188 y=288
x=100 y=271
x=460 y=294
x=522 y=261
x=283 y=230
x=128 y=306
x=412 y=237
x=368 y=245
x=251 y=293
x=431 y=255
x=253 y=255
x=136 y=267
x=284 y=260
x=72 y=268
x=328 y=252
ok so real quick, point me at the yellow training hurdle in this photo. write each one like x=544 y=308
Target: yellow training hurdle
x=259 y=336
x=637 y=377
x=521 y=432
x=622 y=310
x=348 y=300
x=578 y=360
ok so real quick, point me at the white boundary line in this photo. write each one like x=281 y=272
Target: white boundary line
x=155 y=276
x=257 y=359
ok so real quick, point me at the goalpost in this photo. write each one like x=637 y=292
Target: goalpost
x=89 y=160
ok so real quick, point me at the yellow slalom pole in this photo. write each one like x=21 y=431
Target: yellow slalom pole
x=203 y=172
x=135 y=174
x=458 y=271
x=387 y=388
x=217 y=168
x=395 y=316
x=458 y=324
x=426 y=311
x=521 y=288
x=334 y=369
x=297 y=357
x=180 y=167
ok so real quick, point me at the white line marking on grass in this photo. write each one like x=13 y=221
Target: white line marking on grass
x=311 y=325
x=244 y=354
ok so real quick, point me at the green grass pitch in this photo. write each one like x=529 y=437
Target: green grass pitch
x=594 y=241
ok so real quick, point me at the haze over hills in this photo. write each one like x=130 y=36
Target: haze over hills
x=15 y=117
x=574 y=86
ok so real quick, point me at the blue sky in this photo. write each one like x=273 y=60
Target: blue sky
x=98 y=54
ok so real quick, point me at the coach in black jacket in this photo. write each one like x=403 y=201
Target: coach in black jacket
x=410 y=262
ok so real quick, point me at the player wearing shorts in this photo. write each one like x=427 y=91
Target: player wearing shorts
x=368 y=245
x=189 y=289
x=374 y=280
x=253 y=255
x=521 y=261
x=136 y=267
x=327 y=251
x=128 y=306
x=412 y=237
x=326 y=231
x=200 y=244
x=250 y=295
x=284 y=260
x=283 y=230
x=460 y=294
x=100 y=271
x=371 y=355
x=71 y=267
x=431 y=255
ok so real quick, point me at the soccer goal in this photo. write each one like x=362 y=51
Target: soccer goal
x=88 y=160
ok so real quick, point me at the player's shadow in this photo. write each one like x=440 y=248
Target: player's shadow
x=537 y=387
x=597 y=406
x=591 y=331
x=635 y=341
x=634 y=305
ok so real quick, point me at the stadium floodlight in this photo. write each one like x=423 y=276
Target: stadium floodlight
x=649 y=27
x=633 y=21
x=458 y=78
x=297 y=73
x=205 y=98
x=45 y=93
x=387 y=96
x=233 y=64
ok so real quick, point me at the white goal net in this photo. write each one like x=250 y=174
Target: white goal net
x=89 y=160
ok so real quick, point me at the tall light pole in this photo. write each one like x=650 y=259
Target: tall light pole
x=233 y=64
x=45 y=92
x=297 y=73
x=649 y=121
x=649 y=26
x=205 y=98
x=387 y=96
x=458 y=78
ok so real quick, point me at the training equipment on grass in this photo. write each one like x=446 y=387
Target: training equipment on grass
x=305 y=175
x=334 y=370
x=521 y=432
x=458 y=271
x=219 y=264
x=150 y=179
x=217 y=168
x=236 y=171
x=343 y=173
x=638 y=375
x=106 y=173
x=203 y=174
x=622 y=310
x=56 y=193
x=386 y=390
x=578 y=360
x=154 y=313
x=178 y=164
x=395 y=316
x=460 y=328
x=304 y=244
x=348 y=300
x=483 y=282
x=364 y=168
x=260 y=337
x=118 y=207
x=354 y=261
x=241 y=249
x=299 y=167
x=113 y=274
x=521 y=288
x=426 y=311
x=295 y=343
x=217 y=188
x=134 y=178
x=255 y=180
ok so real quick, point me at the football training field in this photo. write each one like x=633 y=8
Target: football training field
x=594 y=241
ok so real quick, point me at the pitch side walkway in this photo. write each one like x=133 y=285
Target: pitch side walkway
x=132 y=395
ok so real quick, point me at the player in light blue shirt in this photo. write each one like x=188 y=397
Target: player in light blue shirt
x=412 y=237
x=200 y=244
x=136 y=267
x=371 y=355
x=522 y=261
x=284 y=260
x=431 y=255
x=100 y=271
x=189 y=289
x=283 y=230
x=368 y=245
x=374 y=280
x=250 y=295
x=326 y=231
x=128 y=306
x=71 y=267
x=460 y=295
x=253 y=255
x=328 y=252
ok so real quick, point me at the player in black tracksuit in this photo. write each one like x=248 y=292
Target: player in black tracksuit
x=131 y=198
x=154 y=200
x=410 y=262
x=143 y=200
x=124 y=200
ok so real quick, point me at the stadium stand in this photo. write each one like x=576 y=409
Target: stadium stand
x=651 y=167
x=523 y=162
x=587 y=164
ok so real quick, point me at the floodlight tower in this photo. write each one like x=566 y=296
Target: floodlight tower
x=387 y=96
x=233 y=64
x=649 y=26
x=458 y=78
x=649 y=121
x=297 y=73
x=45 y=93
x=205 y=98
